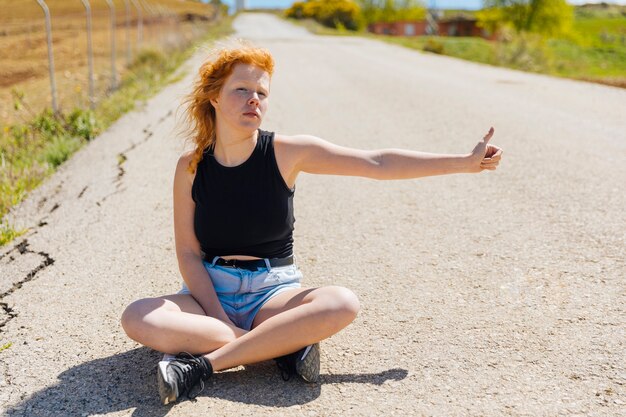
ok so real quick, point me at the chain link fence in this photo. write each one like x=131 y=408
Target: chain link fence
x=88 y=64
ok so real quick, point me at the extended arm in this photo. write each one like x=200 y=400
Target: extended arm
x=317 y=156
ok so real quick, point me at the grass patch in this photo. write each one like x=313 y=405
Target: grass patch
x=8 y=233
x=572 y=60
x=595 y=49
x=35 y=148
x=6 y=346
x=472 y=49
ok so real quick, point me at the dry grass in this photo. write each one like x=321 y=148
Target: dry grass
x=25 y=10
x=23 y=48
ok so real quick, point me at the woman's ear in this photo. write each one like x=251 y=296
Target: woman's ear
x=213 y=101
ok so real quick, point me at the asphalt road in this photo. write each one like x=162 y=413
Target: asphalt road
x=501 y=293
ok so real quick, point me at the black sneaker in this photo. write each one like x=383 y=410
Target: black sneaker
x=304 y=363
x=179 y=374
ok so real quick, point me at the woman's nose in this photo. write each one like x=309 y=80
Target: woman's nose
x=254 y=99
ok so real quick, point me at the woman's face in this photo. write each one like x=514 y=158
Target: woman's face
x=243 y=99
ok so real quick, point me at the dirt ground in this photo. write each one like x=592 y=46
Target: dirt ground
x=499 y=293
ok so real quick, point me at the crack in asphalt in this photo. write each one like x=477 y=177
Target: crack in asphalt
x=22 y=248
x=122 y=157
x=19 y=247
x=168 y=114
x=83 y=191
x=41 y=203
x=7 y=376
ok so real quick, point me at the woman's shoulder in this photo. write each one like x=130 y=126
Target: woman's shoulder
x=183 y=166
x=292 y=150
x=294 y=140
x=298 y=144
x=285 y=144
x=185 y=159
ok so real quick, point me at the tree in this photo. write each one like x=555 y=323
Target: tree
x=546 y=17
x=392 y=10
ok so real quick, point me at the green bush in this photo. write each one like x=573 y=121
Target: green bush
x=434 y=46
x=525 y=51
x=392 y=10
x=48 y=125
x=82 y=123
x=331 y=13
x=59 y=149
x=297 y=11
x=149 y=58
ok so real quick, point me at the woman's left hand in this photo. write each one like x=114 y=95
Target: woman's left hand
x=484 y=155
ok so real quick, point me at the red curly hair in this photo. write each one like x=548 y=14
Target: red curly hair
x=213 y=74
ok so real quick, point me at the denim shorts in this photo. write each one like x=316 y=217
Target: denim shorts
x=242 y=292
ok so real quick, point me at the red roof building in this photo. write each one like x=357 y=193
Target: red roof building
x=454 y=26
x=401 y=28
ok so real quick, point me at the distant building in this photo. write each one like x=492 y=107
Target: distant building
x=461 y=26
x=453 y=26
x=401 y=28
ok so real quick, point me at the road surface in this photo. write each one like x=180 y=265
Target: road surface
x=500 y=293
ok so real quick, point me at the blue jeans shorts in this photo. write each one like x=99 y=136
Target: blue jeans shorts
x=242 y=292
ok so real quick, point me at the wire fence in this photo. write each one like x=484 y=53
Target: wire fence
x=92 y=44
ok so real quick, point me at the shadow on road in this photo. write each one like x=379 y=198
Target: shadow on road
x=128 y=381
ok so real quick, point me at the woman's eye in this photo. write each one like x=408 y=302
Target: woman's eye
x=261 y=93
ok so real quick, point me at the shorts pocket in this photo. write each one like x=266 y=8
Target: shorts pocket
x=225 y=280
x=266 y=280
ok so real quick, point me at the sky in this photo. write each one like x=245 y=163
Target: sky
x=443 y=4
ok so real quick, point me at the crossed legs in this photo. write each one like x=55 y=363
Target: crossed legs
x=289 y=321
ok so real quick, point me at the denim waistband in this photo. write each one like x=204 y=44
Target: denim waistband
x=252 y=264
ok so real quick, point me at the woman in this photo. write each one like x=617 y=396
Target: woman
x=241 y=300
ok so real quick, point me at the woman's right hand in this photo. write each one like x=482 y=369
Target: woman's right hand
x=484 y=155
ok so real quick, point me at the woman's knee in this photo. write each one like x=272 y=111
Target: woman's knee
x=134 y=315
x=342 y=303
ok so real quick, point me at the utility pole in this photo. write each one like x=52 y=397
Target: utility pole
x=431 y=19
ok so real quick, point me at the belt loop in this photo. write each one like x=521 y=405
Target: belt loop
x=268 y=265
x=214 y=261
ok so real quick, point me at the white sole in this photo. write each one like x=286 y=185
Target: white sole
x=166 y=392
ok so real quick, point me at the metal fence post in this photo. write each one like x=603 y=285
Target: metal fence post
x=92 y=98
x=149 y=20
x=53 y=86
x=139 y=23
x=113 y=69
x=128 y=57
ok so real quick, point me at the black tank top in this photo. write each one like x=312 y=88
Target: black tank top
x=246 y=209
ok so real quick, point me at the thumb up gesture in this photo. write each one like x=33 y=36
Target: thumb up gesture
x=485 y=156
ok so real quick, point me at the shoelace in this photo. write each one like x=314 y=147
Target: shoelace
x=194 y=372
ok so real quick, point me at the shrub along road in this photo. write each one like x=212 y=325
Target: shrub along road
x=488 y=294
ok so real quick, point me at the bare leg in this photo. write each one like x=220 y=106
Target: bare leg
x=288 y=322
x=176 y=323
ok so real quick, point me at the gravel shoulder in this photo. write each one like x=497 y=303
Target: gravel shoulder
x=493 y=294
